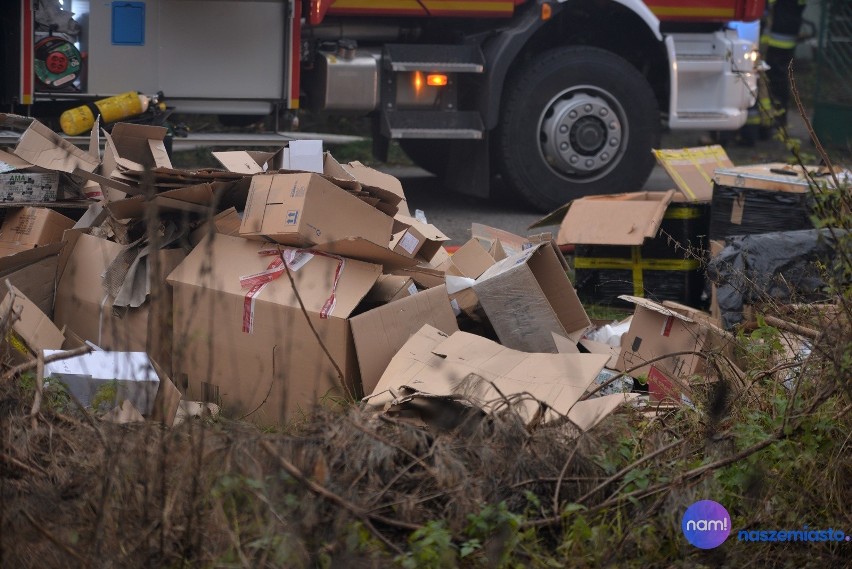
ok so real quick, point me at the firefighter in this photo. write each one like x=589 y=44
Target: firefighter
x=778 y=44
x=780 y=41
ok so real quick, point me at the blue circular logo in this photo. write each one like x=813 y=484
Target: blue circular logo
x=706 y=524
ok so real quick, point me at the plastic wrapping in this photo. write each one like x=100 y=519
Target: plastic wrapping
x=667 y=267
x=747 y=211
x=779 y=266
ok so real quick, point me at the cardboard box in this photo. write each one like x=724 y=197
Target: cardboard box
x=30 y=227
x=85 y=302
x=415 y=239
x=390 y=288
x=251 y=349
x=692 y=169
x=463 y=267
x=528 y=297
x=127 y=376
x=307 y=209
x=31 y=331
x=486 y=373
x=651 y=244
x=657 y=331
x=759 y=199
x=34 y=272
x=22 y=182
x=380 y=333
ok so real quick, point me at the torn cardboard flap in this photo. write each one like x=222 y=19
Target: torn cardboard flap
x=622 y=219
x=470 y=260
x=32 y=331
x=138 y=146
x=387 y=187
x=241 y=161
x=692 y=169
x=487 y=374
x=42 y=147
x=507 y=241
x=585 y=415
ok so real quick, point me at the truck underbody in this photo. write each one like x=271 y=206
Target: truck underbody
x=559 y=99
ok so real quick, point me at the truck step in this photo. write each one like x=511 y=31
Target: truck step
x=434 y=58
x=432 y=124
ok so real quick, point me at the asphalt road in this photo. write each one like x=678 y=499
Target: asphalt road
x=453 y=213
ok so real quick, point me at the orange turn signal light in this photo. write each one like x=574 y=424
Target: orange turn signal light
x=546 y=12
x=436 y=80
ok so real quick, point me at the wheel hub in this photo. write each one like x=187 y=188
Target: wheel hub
x=581 y=134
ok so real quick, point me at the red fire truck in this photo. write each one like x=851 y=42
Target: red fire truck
x=560 y=98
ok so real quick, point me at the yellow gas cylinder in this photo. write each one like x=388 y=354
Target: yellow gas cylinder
x=81 y=119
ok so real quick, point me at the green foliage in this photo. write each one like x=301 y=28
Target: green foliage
x=106 y=397
x=430 y=547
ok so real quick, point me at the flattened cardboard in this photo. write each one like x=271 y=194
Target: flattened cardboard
x=33 y=331
x=307 y=209
x=622 y=219
x=528 y=297
x=42 y=147
x=380 y=333
x=279 y=369
x=487 y=373
x=692 y=169
x=587 y=414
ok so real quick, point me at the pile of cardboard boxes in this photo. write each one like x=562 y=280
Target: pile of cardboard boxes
x=286 y=279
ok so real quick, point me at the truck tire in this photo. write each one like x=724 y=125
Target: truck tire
x=577 y=121
x=429 y=154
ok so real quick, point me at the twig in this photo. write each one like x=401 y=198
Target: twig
x=27 y=366
x=559 y=480
x=343 y=385
x=39 y=386
x=25 y=467
x=64 y=547
x=628 y=468
x=643 y=364
x=792 y=327
x=365 y=517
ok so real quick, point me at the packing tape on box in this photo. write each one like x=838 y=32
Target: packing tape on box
x=694 y=156
x=637 y=264
x=295 y=259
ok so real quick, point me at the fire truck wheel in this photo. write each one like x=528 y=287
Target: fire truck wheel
x=577 y=121
x=431 y=155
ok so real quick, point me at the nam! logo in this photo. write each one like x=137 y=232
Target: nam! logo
x=706 y=524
